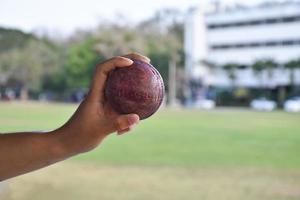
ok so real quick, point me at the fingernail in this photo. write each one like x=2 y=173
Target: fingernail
x=131 y=61
x=128 y=59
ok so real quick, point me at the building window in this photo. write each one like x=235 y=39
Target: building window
x=256 y=44
x=254 y=22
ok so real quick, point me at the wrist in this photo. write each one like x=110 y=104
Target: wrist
x=69 y=142
x=59 y=145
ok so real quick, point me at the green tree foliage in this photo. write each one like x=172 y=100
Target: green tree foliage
x=230 y=69
x=270 y=66
x=262 y=65
x=265 y=64
x=258 y=66
x=292 y=65
x=25 y=67
x=12 y=39
x=80 y=64
x=115 y=40
x=38 y=64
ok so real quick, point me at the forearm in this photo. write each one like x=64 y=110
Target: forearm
x=24 y=152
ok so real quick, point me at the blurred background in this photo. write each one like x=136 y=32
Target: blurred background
x=230 y=124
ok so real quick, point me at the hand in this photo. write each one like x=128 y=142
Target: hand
x=91 y=123
x=94 y=118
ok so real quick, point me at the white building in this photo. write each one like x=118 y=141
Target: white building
x=242 y=35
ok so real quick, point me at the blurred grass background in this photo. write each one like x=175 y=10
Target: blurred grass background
x=176 y=154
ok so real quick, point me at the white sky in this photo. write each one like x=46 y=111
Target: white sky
x=64 y=16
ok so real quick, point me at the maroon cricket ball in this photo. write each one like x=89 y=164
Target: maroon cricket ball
x=137 y=89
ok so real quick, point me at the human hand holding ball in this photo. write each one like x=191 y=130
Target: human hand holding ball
x=124 y=91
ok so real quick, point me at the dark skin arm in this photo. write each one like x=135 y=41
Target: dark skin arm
x=94 y=119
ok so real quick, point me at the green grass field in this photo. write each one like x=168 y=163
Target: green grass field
x=176 y=154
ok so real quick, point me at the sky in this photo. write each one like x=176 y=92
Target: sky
x=65 y=16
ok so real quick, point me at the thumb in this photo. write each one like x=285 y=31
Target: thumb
x=125 y=123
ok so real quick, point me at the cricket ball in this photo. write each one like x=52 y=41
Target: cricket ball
x=137 y=89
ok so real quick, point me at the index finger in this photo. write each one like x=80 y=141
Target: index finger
x=101 y=74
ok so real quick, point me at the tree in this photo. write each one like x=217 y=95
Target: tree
x=87 y=48
x=115 y=40
x=260 y=66
x=268 y=65
x=5 y=71
x=292 y=65
x=13 y=39
x=80 y=65
x=230 y=69
x=25 y=67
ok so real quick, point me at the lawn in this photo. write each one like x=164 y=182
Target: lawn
x=176 y=154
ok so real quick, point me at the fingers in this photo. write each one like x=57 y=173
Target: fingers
x=102 y=71
x=137 y=56
x=125 y=123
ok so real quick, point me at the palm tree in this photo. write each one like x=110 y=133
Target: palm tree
x=230 y=69
x=260 y=66
x=292 y=65
x=270 y=66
